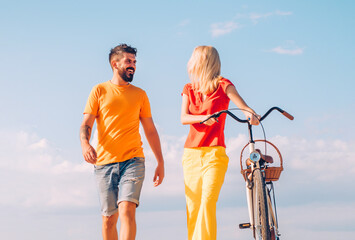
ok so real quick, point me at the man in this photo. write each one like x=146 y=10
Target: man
x=118 y=107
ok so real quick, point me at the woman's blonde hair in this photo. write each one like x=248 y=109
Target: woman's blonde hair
x=204 y=69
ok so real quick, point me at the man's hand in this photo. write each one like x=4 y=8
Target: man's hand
x=152 y=136
x=89 y=153
x=159 y=175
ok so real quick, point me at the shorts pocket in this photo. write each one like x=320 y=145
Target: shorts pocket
x=99 y=167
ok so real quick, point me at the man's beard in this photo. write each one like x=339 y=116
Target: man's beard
x=126 y=75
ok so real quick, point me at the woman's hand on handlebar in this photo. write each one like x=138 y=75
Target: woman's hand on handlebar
x=210 y=121
x=253 y=118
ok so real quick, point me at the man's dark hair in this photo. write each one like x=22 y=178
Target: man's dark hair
x=120 y=49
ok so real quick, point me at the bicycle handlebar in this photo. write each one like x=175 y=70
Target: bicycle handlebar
x=217 y=114
x=286 y=114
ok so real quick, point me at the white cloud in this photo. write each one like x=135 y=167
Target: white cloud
x=181 y=27
x=223 y=28
x=235 y=144
x=282 y=50
x=317 y=221
x=255 y=17
x=308 y=222
x=288 y=48
x=173 y=185
x=34 y=158
x=322 y=160
x=219 y=29
x=40 y=174
x=318 y=160
x=283 y=13
x=45 y=180
x=184 y=23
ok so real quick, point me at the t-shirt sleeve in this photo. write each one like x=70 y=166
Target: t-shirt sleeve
x=145 y=109
x=186 y=89
x=225 y=83
x=92 y=104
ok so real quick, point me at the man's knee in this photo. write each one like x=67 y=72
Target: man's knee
x=127 y=210
x=110 y=222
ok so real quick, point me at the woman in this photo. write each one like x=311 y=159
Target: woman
x=204 y=160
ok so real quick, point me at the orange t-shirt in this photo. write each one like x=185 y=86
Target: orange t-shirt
x=201 y=135
x=117 y=110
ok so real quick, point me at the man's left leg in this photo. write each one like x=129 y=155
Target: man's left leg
x=107 y=181
x=132 y=174
x=127 y=214
x=109 y=228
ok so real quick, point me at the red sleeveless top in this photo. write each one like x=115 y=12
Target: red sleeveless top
x=201 y=135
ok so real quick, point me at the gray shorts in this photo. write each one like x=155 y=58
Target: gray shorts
x=119 y=182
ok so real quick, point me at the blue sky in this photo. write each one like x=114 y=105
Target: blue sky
x=297 y=55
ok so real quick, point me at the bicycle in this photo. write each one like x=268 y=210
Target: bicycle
x=259 y=177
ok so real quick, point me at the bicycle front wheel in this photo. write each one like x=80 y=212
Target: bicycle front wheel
x=260 y=210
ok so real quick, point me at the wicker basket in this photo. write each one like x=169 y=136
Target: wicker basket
x=271 y=173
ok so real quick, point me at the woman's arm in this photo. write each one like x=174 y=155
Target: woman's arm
x=249 y=113
x=187 y=118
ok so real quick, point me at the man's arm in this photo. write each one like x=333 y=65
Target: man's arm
x=89 y=152
x=152 y=136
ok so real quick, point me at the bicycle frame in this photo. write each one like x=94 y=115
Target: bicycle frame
x=273 y=222
x=269 y=213
x=256 y=165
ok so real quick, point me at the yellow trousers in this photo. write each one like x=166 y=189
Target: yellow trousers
x=204 y=171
